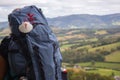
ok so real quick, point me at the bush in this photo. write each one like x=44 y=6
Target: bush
x=75 y=56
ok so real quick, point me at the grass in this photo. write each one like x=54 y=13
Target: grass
x=105 y=47
x=92 y=39
x=78 y=36
x=107 y=72
x=103 y=65
x=66 y=46
x=103 y=68
x=113 y=57
x=86 y=46
x=64 y=42
x=102 y=71
x=108 y=47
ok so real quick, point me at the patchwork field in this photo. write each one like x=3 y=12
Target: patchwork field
x=105 y=42
x=106 y=47
x=113 y=57
x=106 y=72
x=102 y=65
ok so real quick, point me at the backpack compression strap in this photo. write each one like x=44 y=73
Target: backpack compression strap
x=24 y=51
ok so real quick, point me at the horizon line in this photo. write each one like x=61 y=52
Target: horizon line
x=71 y=15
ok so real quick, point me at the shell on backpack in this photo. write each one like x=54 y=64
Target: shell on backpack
x=25 y=27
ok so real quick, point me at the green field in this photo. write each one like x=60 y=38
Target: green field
x=86 y=46
x=113 y=57
x=103 y=68
x=107 y=72
x=93 y=41
x=102 y=65
x=105 y=47
x=67 y=45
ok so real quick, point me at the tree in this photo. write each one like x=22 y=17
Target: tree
x=93 y=64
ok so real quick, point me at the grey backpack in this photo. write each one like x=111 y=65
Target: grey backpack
x=34 y=53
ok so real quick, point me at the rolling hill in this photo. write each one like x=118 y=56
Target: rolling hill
x=3 y=25
x=82 y=21
x=86 y=21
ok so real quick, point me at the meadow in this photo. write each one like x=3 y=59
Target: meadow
x=113 y=57
x=106 y=72
x=106 y=65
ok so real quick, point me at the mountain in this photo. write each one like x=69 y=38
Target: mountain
x=86 y=21
x=81 y=21
x=3 y=25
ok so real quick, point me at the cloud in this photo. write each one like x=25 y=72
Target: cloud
x=53 y=8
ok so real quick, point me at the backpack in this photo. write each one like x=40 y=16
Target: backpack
x=34 y=52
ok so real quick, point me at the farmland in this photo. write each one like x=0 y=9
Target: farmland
x=105 y=65
x=113 y=57
x=82 y=50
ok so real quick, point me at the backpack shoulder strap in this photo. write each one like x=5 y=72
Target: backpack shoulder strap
x=21 y=42
x=4 y=47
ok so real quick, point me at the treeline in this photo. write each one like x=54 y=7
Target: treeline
x=100 y=42
x=76 y=56
x=73 y=55
x=77 y=74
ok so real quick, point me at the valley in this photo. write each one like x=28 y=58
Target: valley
x=101 y=46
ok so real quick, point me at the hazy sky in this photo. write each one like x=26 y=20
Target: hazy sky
x=53 y=8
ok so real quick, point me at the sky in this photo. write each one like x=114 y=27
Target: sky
x=54 y=8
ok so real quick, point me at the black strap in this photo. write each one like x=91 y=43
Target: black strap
x=22 y=44
x=56 y=73
x=4 y=47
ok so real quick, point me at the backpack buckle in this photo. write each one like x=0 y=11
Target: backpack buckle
x=23 y=78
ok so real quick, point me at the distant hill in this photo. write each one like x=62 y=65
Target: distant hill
x=86 y=21
x=3 y=25
x=82 y=21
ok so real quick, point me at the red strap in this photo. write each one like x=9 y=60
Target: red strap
x=30 y=17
